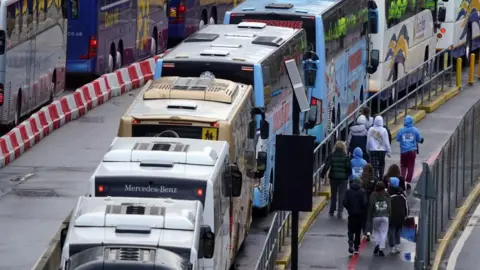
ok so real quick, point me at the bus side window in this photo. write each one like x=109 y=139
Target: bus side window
x=74 y=9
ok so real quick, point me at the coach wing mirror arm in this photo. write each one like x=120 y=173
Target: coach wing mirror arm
x=264 y=125
x=372 y=17
x=374 y=61
x=236 y=180
x=207 y=242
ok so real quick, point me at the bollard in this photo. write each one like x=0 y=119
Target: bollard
x=459 y=72
x=471 y=70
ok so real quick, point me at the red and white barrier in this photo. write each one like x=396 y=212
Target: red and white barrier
x=73 y=106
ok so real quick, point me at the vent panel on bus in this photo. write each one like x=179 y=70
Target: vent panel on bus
x=192 y=88
x=135 y=209
x=131 y=254
x=279 y=6
x=268 y=41
x=161 y=146
x=201 y=37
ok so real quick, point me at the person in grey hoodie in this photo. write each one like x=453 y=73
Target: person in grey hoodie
x=357 y=137
x=379 y=210
x=378 y=145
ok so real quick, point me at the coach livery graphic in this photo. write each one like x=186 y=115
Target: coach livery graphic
x=469 y=12
x=397 y=50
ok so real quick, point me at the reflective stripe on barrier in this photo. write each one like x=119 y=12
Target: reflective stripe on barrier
x=72 y=106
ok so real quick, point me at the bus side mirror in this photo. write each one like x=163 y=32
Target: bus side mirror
x=372 y=17
x=261 y=163
x=264 y=129
x=236 y=181
x=252 y=129
x=208 y=242
x=374 y=61
x=442 y=14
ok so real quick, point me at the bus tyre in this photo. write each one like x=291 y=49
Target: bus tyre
x=153 y=46
x=211 y=21
x=266 y=210
x=118 y=60
x=201 y=24
x=110 y=63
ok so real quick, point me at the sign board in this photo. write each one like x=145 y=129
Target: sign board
x=297 y=84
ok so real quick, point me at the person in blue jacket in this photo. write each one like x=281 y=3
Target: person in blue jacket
x=357 y=163
x=408 y=137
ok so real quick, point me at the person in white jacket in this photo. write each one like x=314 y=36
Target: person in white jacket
x=378 y=145
x=366 y=113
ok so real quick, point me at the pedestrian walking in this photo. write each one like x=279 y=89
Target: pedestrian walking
x=379 y=212
x=356 y=204
x=394 y=171
x=357 y=136
x=340 y=168
x=368 y=183
x=378 y=145
x=366 y=112
x=398 y=214
x=357 y=163
x=408 y=137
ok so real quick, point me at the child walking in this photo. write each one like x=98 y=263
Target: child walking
x=408 y=137
x=398 y=214
x=379 y=212
x=357 y=163
x=368 y=183
x=356 y=204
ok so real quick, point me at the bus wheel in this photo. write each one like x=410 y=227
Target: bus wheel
x=153 y=47
x=119 y=54
x=111 y=58
x=203 y=20
x=266 y=210
x=18 y=111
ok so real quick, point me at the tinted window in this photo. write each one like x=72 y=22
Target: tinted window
x=74 y=9
x=149 y=130
x=2 y=42
x=221 y=70
x=344 y=25
x=291 y=21
x=150 y=187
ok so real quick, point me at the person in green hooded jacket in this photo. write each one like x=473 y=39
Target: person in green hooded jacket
x=379 y=210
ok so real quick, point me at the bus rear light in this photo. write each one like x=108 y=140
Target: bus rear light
x=168 y=65
x=199 y=192
x=231 y=220
x=100 y=188
x=135 y=121
x=1 y=94
x=314 y=102
x=443 y=30
x=178 y=14
x=215 y=124
x=247 y=68
x=92 y=47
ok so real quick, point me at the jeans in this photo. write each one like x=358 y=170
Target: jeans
x=407 y=165
x=355 y=224
x=380 y=230
x=394 y=235
x=338 y=188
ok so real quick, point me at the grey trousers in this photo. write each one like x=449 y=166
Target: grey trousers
x=338 y=188
x=380 y=230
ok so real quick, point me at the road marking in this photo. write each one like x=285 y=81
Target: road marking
x=452 y=260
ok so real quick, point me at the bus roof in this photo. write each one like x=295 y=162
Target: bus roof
x=141 y=213
x=300 y=7
x=174 y=158
x=215 y=103
x=245 y=43
x=120 y=220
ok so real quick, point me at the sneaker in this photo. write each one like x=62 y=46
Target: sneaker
x=393 y=250
x=409 y=187
x=380 y=253
x=368 y=237
x=339 y=215
x=376 y=249
x=357 y=250
x=331 y=213
x=397 y=249
x=350 y=247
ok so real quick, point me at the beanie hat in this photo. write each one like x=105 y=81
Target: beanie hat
x=394 y=182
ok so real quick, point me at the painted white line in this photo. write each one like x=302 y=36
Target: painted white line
x=452 y=260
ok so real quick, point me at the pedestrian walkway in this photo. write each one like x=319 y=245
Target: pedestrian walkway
x=325 y=243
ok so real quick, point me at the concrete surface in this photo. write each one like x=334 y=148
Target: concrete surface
x=59 y=167
x=325 y=244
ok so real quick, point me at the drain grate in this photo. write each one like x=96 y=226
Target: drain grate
x=35 y=192
x=91 y=119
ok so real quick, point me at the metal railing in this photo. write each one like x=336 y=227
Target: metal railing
x=450 y=178
x=434 y=73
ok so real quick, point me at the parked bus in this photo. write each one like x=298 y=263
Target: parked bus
x=179 y=169
x=186 y=17
x=203 y=109
x=104 y=35
x=32 y=56
x=335 y=79
x=251 y=54
x=459 y=26
x=406 y=39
